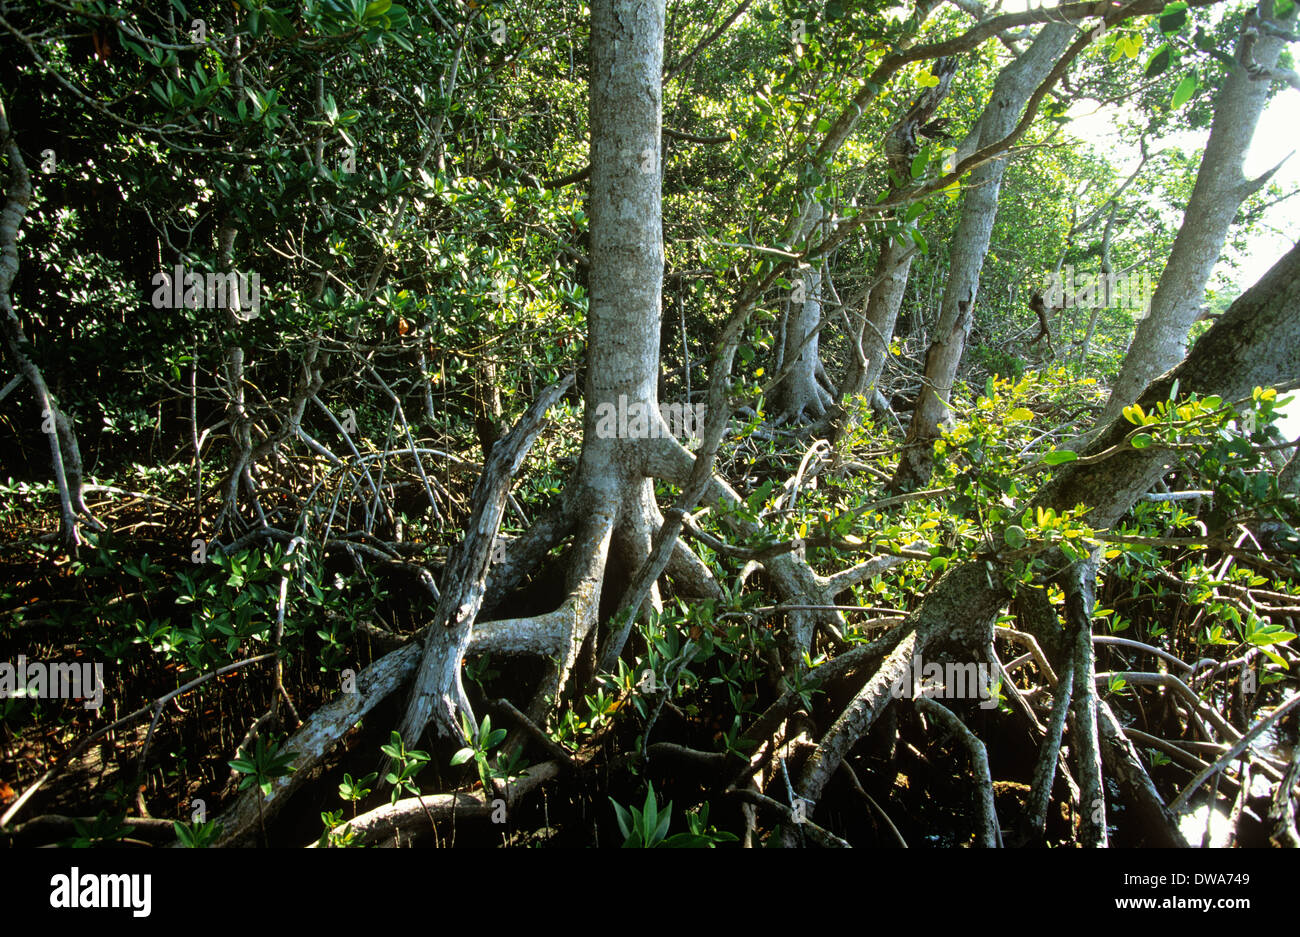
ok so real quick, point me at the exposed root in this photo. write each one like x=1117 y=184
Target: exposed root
x=1092 y=797
x=1040 y=792
x=438 y=692
x=317 y=736
x=961 y=607
x=691 y=576
x=1180 y=804
x=526 y=553
x=1282 y=811
x=591 y=550
x=858 y=717
x=1123 y=764
x=990 y=832
x=65 y=456
x=412 y=813
x=542 y=636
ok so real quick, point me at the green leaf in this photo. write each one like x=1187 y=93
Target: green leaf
x=462 y=756
x=1183 y=93
x=1142 y=440
x=1015 y=537
x=280 y=26
x=650 y=812
x=919 y=162
x=1263 y=638
x=623 y=818
x=661 y=828
x=1173 y=17
x=1060 y=457
x=1275 y=659
x=1159 y=60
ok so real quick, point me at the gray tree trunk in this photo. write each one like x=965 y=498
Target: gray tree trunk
x=875 y=327
x=627 y=258
x=969 y=246
x=609 y=504
x=611 y=498
x=894 y=265
x=798 y=394
x=1160 y=340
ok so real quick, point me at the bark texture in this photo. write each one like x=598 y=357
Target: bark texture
x=627 y=263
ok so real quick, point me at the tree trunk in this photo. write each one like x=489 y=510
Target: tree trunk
x=875 y=327
x=970 y=245
x=798 y=394
x=610 y=500
x=609 y=503
x=627 y=258
x=1161 y=337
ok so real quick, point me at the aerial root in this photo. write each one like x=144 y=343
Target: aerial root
x=1087 y=744
x=991 y=833
x=438 y=692
x=542 y=636
x=590 y=554
x=858 y=717
x=691 y=575
x=317 y=736
x=1123 y=764
x=1040 y=791
x=526 y=553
